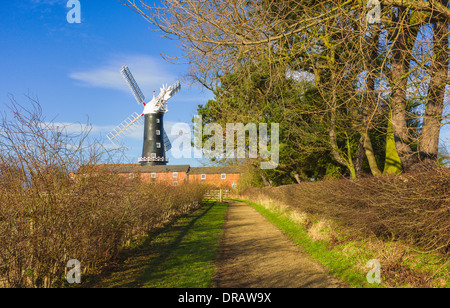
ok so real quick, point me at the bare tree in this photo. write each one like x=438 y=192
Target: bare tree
x=438 y=71
x=332 y=41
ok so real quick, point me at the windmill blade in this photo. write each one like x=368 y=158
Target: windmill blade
x=166 y=94
x=167 y=143
x=132 y=121
x=126 y=73
x=174 y=89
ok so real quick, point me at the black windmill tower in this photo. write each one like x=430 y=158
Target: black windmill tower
x=156 y=142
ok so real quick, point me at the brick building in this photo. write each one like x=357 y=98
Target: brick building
x=220 y=177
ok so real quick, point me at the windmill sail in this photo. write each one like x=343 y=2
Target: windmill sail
x=132 y=121
x=167 y=143
x=126 y=73
x=172 y=90
x=166 y=94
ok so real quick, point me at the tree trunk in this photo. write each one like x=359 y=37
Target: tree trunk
x=392 y=162
x=429 y=140
x=371 y=104
x=297 y=178
x=266 y=183
x=333 y=142
x=359 y=158
x=337 y=155
x=368 y=150
x=398 y=99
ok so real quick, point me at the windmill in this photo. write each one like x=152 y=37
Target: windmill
x=156 y=142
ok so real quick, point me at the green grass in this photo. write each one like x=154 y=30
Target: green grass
x=190 y=251
x=181 y=255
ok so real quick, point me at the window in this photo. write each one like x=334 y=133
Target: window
x=153 y=175
x=158 y=133
x=175 y=183
x=131 y=176
x=175 y=174
x=203 y=176
x=158 y=121
x=223 y=176
x=158 y=145
x=153 y=155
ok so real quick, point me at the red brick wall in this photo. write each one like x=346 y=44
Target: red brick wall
x=165 y=177
x=212 y=179
x=216 y=179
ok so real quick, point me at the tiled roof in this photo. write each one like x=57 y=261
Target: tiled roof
x=137 y=168
x=150 y=169
x=216 y=170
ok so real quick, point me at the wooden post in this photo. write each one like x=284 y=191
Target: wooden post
x=220 y=196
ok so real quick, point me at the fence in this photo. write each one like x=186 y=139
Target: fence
x=217 y=194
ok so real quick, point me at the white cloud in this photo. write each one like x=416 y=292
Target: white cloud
x=49 y=2
x=150 y=74
x=102 y=130
x=77 y=128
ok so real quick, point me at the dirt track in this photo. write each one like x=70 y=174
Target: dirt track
x=256 y=254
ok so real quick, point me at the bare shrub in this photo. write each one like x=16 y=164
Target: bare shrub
x=413 y=208
x=52 y=211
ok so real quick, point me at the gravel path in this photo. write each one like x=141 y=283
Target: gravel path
x=256 y=254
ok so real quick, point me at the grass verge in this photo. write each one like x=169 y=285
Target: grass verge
x=181 y=255
x=346 y=257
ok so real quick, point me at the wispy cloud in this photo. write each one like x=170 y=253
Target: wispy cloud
x=150 y=73
x=78 y=128
x=49 y=2
x=44 y=5
x=102 y=130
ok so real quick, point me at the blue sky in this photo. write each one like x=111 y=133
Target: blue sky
x=74 y=69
